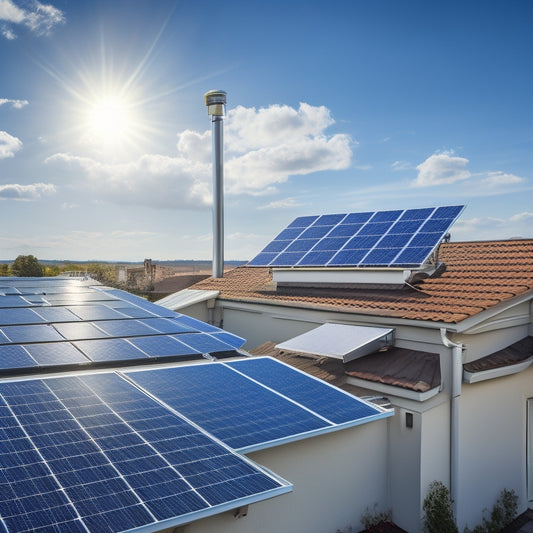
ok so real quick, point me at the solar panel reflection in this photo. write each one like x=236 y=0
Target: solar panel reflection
x=386 y=237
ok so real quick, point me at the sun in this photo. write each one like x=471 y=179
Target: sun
x=111 y=122
x=110 y=119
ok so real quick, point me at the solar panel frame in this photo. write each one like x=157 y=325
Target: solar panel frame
x=301 y=243
x=94 y=453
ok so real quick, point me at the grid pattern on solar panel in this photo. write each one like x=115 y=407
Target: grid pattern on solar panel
x=401 y=238
x=74 y=331
x=30 y=333
x=229 y=338
x=110 y=350
x=226 y=411
x=56 y=314
x=14 y=357
x=327 y=401
x=168 y=325
x=204 y=343
x=55 y=353
x=96 y=450
x=20 y=315
x=163 y=346
x=95 y=312
x=153 y=309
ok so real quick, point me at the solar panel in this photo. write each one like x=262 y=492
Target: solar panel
x=56 y=314
x=329 y=402
x=163 y=346
x=400 y=238
x=95 y=312
x=11 y=317
x=110 y=350
x=30 y=333
x=152 y=309
x=93 y=453
x=279 y=411
x=55 y=353
x=226 y=411
x=14 y=356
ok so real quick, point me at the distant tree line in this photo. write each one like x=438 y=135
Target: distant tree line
x=28 y=266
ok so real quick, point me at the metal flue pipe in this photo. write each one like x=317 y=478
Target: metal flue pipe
x=216 y=108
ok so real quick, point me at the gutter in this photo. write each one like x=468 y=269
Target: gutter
x=457 y=376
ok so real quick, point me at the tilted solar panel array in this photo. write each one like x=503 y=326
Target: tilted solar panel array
x=47 y=323
x=151 y=447
x=287 y=404
x=401 y=238
x=93 y=453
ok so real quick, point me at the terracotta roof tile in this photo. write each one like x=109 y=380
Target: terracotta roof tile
x=512 y=355
x=409 y=369
x=478 y=276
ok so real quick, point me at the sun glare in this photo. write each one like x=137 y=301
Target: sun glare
x=111 y=122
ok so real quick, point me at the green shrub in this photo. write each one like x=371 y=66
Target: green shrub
x=373 y=517
x=438 y=512
x=503 y=513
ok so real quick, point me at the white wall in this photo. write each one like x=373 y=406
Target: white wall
x=335 y=476
x=493 y=443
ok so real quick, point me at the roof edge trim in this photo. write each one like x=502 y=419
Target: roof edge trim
x=391 y=390
x=508 y=370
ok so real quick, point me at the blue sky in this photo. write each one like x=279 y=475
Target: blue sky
x=333 y=107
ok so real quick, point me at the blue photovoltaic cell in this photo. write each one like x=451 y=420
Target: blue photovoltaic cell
x=14 y=301
x=204 y=343
x=73 y=331
x=227 y=410
x=168 y=325
x=126 y=328
x=229 y=338
x=19 y=315
x=155 y=310
x=14 y=356
x=385 y=237
x=55 y=353
x=287 y=258
x=130 y=310
x=163 y=346
x=329 y=220
x=327 y=401
x=33 y=333
x=56 y=314
x=302 y=222
x=95 y=312
x=302 y=245
x=95 y=453
x=315 y=258
x=110 y=350
x=198 y=325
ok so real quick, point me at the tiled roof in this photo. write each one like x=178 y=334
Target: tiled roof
x=409 y=369
x=512 y=355
x=478 y=276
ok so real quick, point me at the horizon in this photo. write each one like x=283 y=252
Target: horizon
x=345 y=106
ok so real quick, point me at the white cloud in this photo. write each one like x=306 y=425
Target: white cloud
x=262 y=148
x=286 y=203
x=492 y=228
x=497 y=179
x=152 y=180
x=28 y=193
x=38 y=18
x=441 y=169
x=9 y=145
x=401 y=165
x=16 y=104
x=8 y=34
